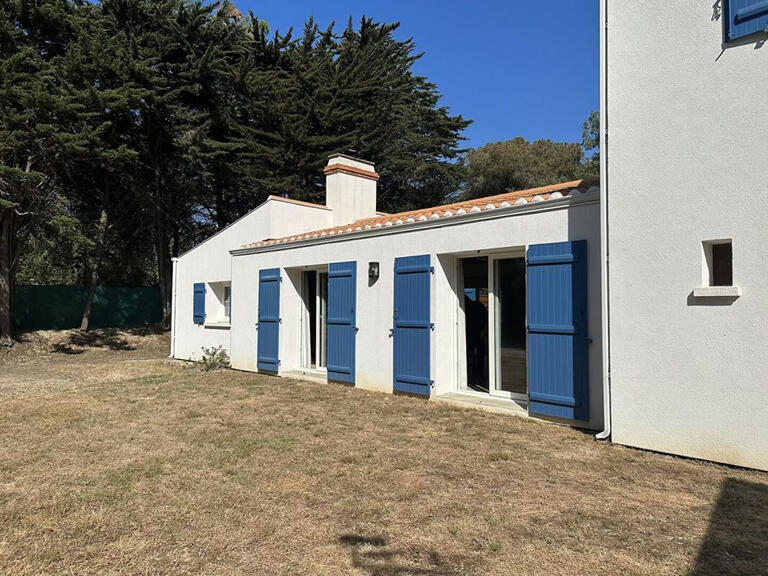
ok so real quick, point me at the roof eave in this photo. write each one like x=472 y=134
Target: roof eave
x=543 y=206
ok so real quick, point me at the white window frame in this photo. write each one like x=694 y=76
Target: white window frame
x=494 y=373
x=305 y=361
x=706 y=289
x=227 y=299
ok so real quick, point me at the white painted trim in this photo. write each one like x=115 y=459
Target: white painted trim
x=717 y=292
x=604 y=236
x=494 y=366
x=174 y=262
x=218 y=325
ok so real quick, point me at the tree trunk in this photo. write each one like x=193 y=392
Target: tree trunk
x=100 y=248
x=10 y=222
x=164 y=266
x=162 y=238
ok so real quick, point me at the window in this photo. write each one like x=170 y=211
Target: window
x=219 y=305
x=722 y=265
x=718 y=263
x=717 y=270
x=227 y=301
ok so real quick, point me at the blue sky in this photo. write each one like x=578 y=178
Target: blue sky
x=517 y=68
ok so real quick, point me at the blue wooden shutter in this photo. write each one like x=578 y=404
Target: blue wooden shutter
x=558 y=370
x=198 y=304
x=745 y=17
x=267 y=355
x=342 y=278
x=412 y=326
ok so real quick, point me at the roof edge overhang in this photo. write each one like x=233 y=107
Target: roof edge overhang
x=514 y=210
x=270 y=198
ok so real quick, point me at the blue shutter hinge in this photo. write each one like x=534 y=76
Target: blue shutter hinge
x=432 y=384
x=432 y=326
x=431 y=269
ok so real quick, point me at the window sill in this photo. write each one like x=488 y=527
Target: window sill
x=717 y=292
x=218 y=325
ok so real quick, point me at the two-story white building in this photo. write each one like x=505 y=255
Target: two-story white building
x=685 y=203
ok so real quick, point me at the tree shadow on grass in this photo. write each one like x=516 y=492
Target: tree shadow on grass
x=112 y=338
x=373 y=555
x=737 y=537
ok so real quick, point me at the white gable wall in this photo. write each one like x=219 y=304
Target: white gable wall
x=687 y=149
x=210 y=262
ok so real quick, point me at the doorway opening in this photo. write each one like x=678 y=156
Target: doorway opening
x=475 y=283
x=315 y=325
x=493 y=338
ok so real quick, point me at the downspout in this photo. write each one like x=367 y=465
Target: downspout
x=604 y=199
x=175 y=261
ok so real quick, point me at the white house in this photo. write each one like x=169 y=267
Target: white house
x=638 y=310
x=685 y=201
x=431 y=302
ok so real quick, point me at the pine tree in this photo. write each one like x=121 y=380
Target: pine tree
x=130 y=129
x=33 y=111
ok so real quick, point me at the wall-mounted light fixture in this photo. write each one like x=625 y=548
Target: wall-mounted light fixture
x=373 y=271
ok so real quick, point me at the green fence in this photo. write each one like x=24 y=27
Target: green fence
x=61 y=307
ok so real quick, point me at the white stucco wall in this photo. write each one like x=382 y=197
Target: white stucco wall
x=687 y=152
x=211 y=263
x=551 y=221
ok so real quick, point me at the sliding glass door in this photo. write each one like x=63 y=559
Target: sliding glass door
x=322 y=323
x=493 y=324
x=509 y=312
x=315 y=335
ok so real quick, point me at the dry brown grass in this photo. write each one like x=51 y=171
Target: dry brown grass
x=115 y=460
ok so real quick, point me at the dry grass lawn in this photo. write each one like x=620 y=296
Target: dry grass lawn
x=115 y=460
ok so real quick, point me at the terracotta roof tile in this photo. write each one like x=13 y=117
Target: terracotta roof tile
x=506 y=200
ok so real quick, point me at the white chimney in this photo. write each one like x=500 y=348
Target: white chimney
x=350 y=188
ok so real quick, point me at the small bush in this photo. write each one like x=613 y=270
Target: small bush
x=214 y=358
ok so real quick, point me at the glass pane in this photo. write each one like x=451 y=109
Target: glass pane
x=511 y=368
x=310 y=280
x=323 y=291
x=475 y=281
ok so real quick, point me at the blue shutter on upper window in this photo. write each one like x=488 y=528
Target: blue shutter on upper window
x=198 y=304
x=745 y=17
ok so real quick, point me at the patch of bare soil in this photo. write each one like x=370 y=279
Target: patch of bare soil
x=116 y=460
x=33 y=346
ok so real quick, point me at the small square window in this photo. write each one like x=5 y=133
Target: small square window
x=717 y=271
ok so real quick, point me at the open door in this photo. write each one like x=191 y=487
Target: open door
x=412 y=325
x=268 y=344
x=558 y=369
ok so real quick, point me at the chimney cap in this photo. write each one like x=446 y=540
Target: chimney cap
x=349 y=156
